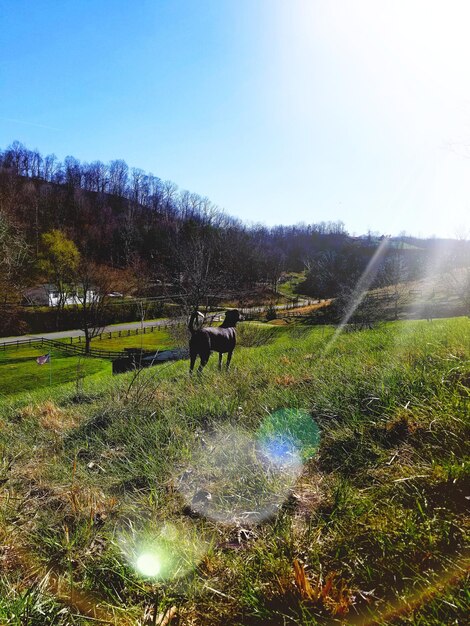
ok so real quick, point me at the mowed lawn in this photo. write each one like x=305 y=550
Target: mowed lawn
x=20 y=372
x=158 y=340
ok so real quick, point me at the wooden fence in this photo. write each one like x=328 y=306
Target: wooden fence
x=62 y=347
x=75 y=346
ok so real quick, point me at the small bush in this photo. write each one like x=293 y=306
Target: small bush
x=271 y=313
x=253 y=335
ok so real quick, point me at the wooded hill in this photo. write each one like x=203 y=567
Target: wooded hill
x=128 y=221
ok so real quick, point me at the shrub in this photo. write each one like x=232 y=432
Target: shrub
x=271 y=313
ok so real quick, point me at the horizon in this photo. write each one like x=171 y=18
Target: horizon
x=375 y=234
x=272 y=111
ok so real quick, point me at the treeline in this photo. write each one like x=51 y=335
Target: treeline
x=120 y=216
x=142 y=232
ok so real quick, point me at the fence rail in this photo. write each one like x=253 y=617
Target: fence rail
x=74 y=346
x=59 y=346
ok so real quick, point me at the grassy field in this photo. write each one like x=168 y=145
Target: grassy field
x=19 y=371
x=290 y=282
x=322 y=480
x=158 y=340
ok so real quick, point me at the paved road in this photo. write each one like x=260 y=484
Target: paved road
x=65 y=334
x=79 y=333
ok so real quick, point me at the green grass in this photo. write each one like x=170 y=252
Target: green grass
x=19 y=371
x=158 y=340
x=288 y=287
x=371 y=528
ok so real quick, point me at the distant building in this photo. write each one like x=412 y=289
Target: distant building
x=48 y=295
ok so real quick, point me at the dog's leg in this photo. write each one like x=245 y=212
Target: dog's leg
x=229 y=358
x=192 y=356
x=220 y=361
x=202 y=364
x=204 y=354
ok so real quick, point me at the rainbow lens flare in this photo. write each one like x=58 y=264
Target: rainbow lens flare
x=239 y=477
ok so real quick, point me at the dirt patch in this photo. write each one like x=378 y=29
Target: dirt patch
x=305 y=310
x=50 y=416
x=292 y=381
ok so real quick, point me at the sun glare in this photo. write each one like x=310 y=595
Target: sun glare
x=148 y=564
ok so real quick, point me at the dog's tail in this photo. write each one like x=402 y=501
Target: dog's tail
x=195 y=321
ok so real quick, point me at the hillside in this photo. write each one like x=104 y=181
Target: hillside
x=324 y=478
x=124 y=217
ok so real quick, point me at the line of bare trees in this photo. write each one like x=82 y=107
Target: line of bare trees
x=123 y=216
x=132 y=223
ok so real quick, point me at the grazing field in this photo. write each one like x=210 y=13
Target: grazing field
x=158 y=340
x=289 y=283
x=19 y=371
x=323 y=479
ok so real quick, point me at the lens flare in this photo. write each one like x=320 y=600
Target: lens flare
x=163 y=552
x=280 y=451
x=148 y=564
x=289 y=437
x=236 y=476
x=360 y=291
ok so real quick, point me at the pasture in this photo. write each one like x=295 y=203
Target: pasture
x=323 y=479
x=20 y=373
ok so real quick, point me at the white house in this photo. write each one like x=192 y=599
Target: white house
x=48 y=295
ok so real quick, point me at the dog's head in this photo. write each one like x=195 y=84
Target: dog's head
x=232 y=317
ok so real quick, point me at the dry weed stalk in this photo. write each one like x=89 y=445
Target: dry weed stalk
x=332 y=595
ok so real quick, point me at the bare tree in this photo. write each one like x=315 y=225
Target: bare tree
x=118 y=172
x=169 y=198
x=50 y=167
x=72 y=172
x=14 y=253
x=201 y=275
x=94 y=284
x=456 y=276
x=394 y=278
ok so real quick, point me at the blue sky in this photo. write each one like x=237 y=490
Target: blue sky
x=280 y=111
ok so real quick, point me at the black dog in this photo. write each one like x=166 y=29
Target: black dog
x=205 y=340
